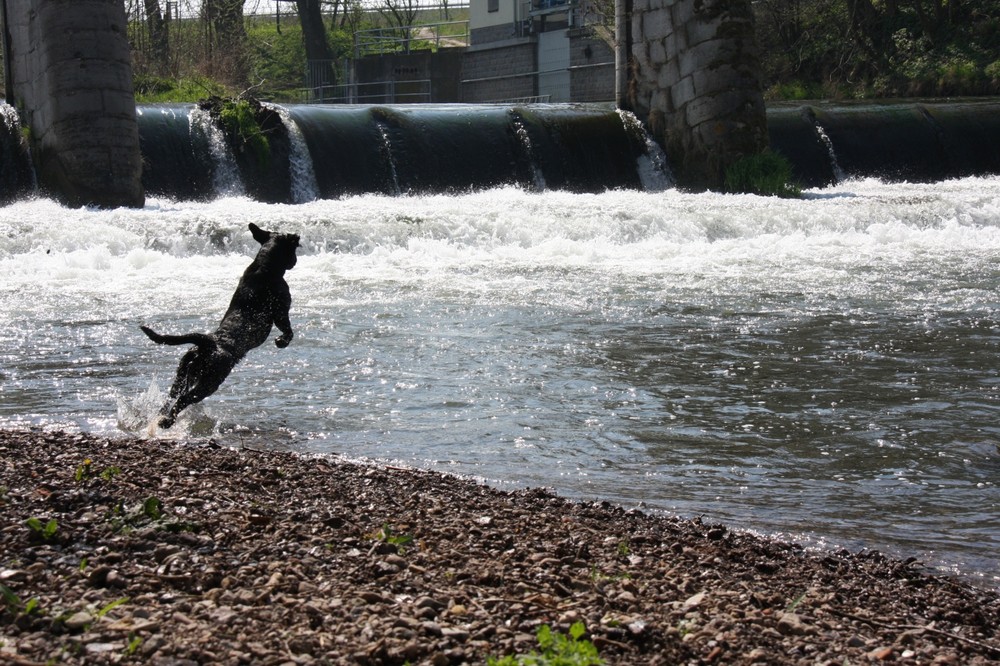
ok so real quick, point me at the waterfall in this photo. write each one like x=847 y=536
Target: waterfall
x=300 y=165
x=225 y=174
x=17 y=174
x=838 y=173
x=524 y=141
x=386 y=149
x=652 y=165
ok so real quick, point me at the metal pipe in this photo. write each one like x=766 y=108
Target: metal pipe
x=8 y=70
x=621 y=55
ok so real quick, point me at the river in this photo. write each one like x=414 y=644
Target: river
x=824 y=369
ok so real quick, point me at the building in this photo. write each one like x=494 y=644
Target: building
x=514 y=51
x=543 y=50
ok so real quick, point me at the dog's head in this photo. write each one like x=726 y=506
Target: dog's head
x=276 y=249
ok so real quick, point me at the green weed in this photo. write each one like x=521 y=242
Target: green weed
x=40 y=531
x=12 y=603
x=556 y=650
x=385 y=535
x=767 y=174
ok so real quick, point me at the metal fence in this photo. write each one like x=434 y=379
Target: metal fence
x=433 y=36
x=371 y=92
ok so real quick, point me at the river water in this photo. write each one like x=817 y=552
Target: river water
x=824 y=369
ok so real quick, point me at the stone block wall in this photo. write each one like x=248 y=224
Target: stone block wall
x=695 y=80
x=592 y=63
x=72 y=84
x=505 y=70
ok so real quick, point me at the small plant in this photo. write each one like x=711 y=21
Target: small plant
x=767 y=174
x=85 y=471
x=10 y=600
x=152 y=508
x=111 y=606
x=134 y=643
x=12 y=603
x=556 y=650
x=385 y=535
x=44 y=532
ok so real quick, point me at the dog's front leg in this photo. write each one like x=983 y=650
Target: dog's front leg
x=285 y=326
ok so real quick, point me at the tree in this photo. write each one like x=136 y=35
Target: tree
x=313 y=29
x=401 y=14
x=158 y=36
x=227 y=45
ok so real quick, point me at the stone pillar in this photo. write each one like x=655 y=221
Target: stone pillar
x=72 y=85
x=695 y=80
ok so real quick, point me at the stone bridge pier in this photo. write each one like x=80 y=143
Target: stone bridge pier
x=695 y=79
x=69 y=73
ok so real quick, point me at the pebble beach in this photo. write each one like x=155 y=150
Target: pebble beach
x=146 y=551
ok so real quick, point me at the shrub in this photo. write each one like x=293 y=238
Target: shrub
x=767 y=174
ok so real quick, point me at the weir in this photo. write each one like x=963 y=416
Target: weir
x=336 y=151
x=895 y=141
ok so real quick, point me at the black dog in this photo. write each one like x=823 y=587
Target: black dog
x=261 y=299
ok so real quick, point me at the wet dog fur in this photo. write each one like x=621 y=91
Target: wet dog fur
x=262 y=299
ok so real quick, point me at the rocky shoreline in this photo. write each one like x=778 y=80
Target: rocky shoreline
x=139 y=551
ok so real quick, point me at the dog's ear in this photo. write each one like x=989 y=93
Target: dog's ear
x=259 y=234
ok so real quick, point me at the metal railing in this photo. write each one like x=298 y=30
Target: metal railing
x=433 y=36
x=371 y=92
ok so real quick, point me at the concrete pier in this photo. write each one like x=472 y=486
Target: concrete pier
x=695 y=80
x=71 y=80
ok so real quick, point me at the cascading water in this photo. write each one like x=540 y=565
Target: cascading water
x=225 y=174
x=385 y=148
x=17 y=177
x=653 y=167
x=838 y=173
x=303 y=175
x=524 y=139
x=336 y=151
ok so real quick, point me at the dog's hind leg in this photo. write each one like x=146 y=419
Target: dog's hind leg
x=200 y=373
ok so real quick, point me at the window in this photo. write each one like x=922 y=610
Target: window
x=492 y=5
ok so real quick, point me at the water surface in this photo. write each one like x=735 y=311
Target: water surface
x=824 y=368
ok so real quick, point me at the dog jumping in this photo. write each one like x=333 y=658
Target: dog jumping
x=262 y=299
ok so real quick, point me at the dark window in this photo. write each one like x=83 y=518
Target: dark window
x=492 y=5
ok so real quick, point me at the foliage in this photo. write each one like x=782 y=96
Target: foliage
x=40 y=531
x=386 y=535
x=556 y=650
x=767 y=174
x=84 y=472
x=151 y=89
x=12 y=603
x=858 y=48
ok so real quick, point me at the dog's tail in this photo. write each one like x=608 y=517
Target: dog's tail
x=200 y=339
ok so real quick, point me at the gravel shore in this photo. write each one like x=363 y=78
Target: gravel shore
x=138 y=551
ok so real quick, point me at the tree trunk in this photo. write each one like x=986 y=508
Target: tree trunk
x=159 y=46
x=225 y=20
x=313 y=30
